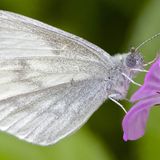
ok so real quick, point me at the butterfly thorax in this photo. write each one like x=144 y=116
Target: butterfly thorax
x=122 y=67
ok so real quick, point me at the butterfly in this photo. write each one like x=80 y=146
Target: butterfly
x=52 y=81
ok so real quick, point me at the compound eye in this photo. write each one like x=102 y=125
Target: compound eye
x=131 y=61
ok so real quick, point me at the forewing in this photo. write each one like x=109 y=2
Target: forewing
x=34 y=56
x=50 y=81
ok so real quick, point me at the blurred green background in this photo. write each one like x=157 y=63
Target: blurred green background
x=114 y=25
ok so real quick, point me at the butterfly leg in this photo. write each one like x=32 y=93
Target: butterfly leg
x=131 y=80
x=112 y=98
x=139 y=70
x=149 y=63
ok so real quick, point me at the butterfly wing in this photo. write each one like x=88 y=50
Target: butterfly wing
x=44 y=117
x=50 y=81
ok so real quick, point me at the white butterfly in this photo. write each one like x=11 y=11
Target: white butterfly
x=51 y=81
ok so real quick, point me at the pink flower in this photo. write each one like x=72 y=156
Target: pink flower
x=134 y=122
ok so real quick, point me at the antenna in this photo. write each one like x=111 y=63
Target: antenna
x=148 y=40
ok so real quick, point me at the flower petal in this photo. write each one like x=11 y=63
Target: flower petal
x=151 y=83
x=134 y=123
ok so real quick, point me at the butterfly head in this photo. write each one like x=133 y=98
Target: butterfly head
x=134 y=59
x=132 y=63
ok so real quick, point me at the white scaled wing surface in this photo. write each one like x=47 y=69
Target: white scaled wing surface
x=50 y=81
